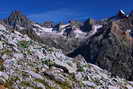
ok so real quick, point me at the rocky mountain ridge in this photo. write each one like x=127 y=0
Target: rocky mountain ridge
x=33 y=56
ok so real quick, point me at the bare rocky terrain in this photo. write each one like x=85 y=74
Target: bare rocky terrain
x=78 y=55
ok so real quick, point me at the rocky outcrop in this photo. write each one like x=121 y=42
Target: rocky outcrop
x=87 y=26
x=111 y=48
x=17 y=19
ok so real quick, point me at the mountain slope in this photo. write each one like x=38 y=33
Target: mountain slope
x=26 y=64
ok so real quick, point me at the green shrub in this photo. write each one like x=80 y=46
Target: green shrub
x=81 y=69
x=48 y=62
x=24 y=43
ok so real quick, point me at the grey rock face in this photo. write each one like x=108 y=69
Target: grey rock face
x=110 y=48
x=17 y=19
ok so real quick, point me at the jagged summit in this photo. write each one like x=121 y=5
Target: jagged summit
x=16 y=18
x=121 y=14
x=17 y=13
x=88 y=25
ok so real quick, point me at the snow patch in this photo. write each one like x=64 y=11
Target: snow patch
x=122 y=12
x=94 y=29
x=21 y=28
x=79 y=33
x=42 y=29
x=63 y=26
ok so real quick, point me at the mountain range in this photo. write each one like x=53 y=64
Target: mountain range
x=94 y=54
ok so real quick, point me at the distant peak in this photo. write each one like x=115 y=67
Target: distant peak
x=17 y=18
x=16 y=12
x=121 y=13
x=17 y=15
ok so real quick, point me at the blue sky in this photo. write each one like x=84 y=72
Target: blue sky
x=64 y=10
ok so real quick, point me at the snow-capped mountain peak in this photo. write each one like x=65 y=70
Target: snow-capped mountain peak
x=122 y=12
